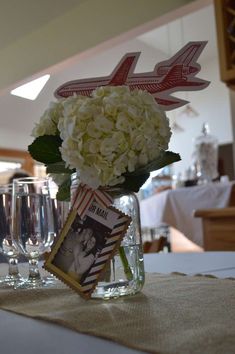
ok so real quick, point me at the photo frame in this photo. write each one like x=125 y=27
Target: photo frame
x=81 y=253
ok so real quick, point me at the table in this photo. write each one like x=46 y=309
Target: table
x=176 y=207
x=23 y=335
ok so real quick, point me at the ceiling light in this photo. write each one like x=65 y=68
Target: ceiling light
x=32 y=89
x=189 y=111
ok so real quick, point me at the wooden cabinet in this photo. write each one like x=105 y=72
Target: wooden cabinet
x=225 y=25
x=219 y=226
x=27 y=163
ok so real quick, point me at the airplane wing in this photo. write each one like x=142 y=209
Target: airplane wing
x=175 y=74
x=167 y=103
x=124 y=69
x=117 y=78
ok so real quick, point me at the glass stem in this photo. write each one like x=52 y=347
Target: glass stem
x=113 y=269
x=13 y=269
x=34 y=273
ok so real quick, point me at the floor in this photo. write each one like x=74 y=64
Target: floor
x=176 y=240
x=179 y=243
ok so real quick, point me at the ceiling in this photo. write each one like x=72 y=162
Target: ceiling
x=156 y=45
x=41 y=12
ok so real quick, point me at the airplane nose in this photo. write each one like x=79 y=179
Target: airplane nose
x=189 y=70
x=192 y=69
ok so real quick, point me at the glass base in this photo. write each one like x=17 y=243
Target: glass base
x=116 y=289
x=124 y=276
x=35 y=280
x=34 y=283
x=10 y=280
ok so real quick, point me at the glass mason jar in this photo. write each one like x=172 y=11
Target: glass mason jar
x=124 y=274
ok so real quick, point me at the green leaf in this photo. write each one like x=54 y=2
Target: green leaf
x=134 y=180
x=59 y=167
x=165 y=158
x=64 y=190
x=45 y=149
x=133 y=183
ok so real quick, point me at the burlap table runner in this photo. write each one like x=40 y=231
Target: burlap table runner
x=172 y=314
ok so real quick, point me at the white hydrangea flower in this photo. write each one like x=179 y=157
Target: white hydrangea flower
x=89 y=174
x=114 y=131
x=49 y=120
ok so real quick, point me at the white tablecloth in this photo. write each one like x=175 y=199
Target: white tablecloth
x=176 y=207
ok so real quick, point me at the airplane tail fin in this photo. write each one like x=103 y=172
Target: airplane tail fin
x=189 y=53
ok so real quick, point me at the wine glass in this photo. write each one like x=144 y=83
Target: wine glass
x=33 y=227
x=60 y=208
x=6 y=246
x=61 y=211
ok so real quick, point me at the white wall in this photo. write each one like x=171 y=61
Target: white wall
x=213 y=107
x=14 y=139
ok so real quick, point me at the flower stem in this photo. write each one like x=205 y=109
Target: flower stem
x=127 y=269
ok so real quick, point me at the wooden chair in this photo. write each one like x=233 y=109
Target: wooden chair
x=218 y=228
x=156 y=245
x=232 y=197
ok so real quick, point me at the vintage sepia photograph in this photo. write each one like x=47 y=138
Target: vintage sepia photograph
x=85 y=246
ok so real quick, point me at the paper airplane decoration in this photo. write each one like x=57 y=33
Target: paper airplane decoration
x=175 y=74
